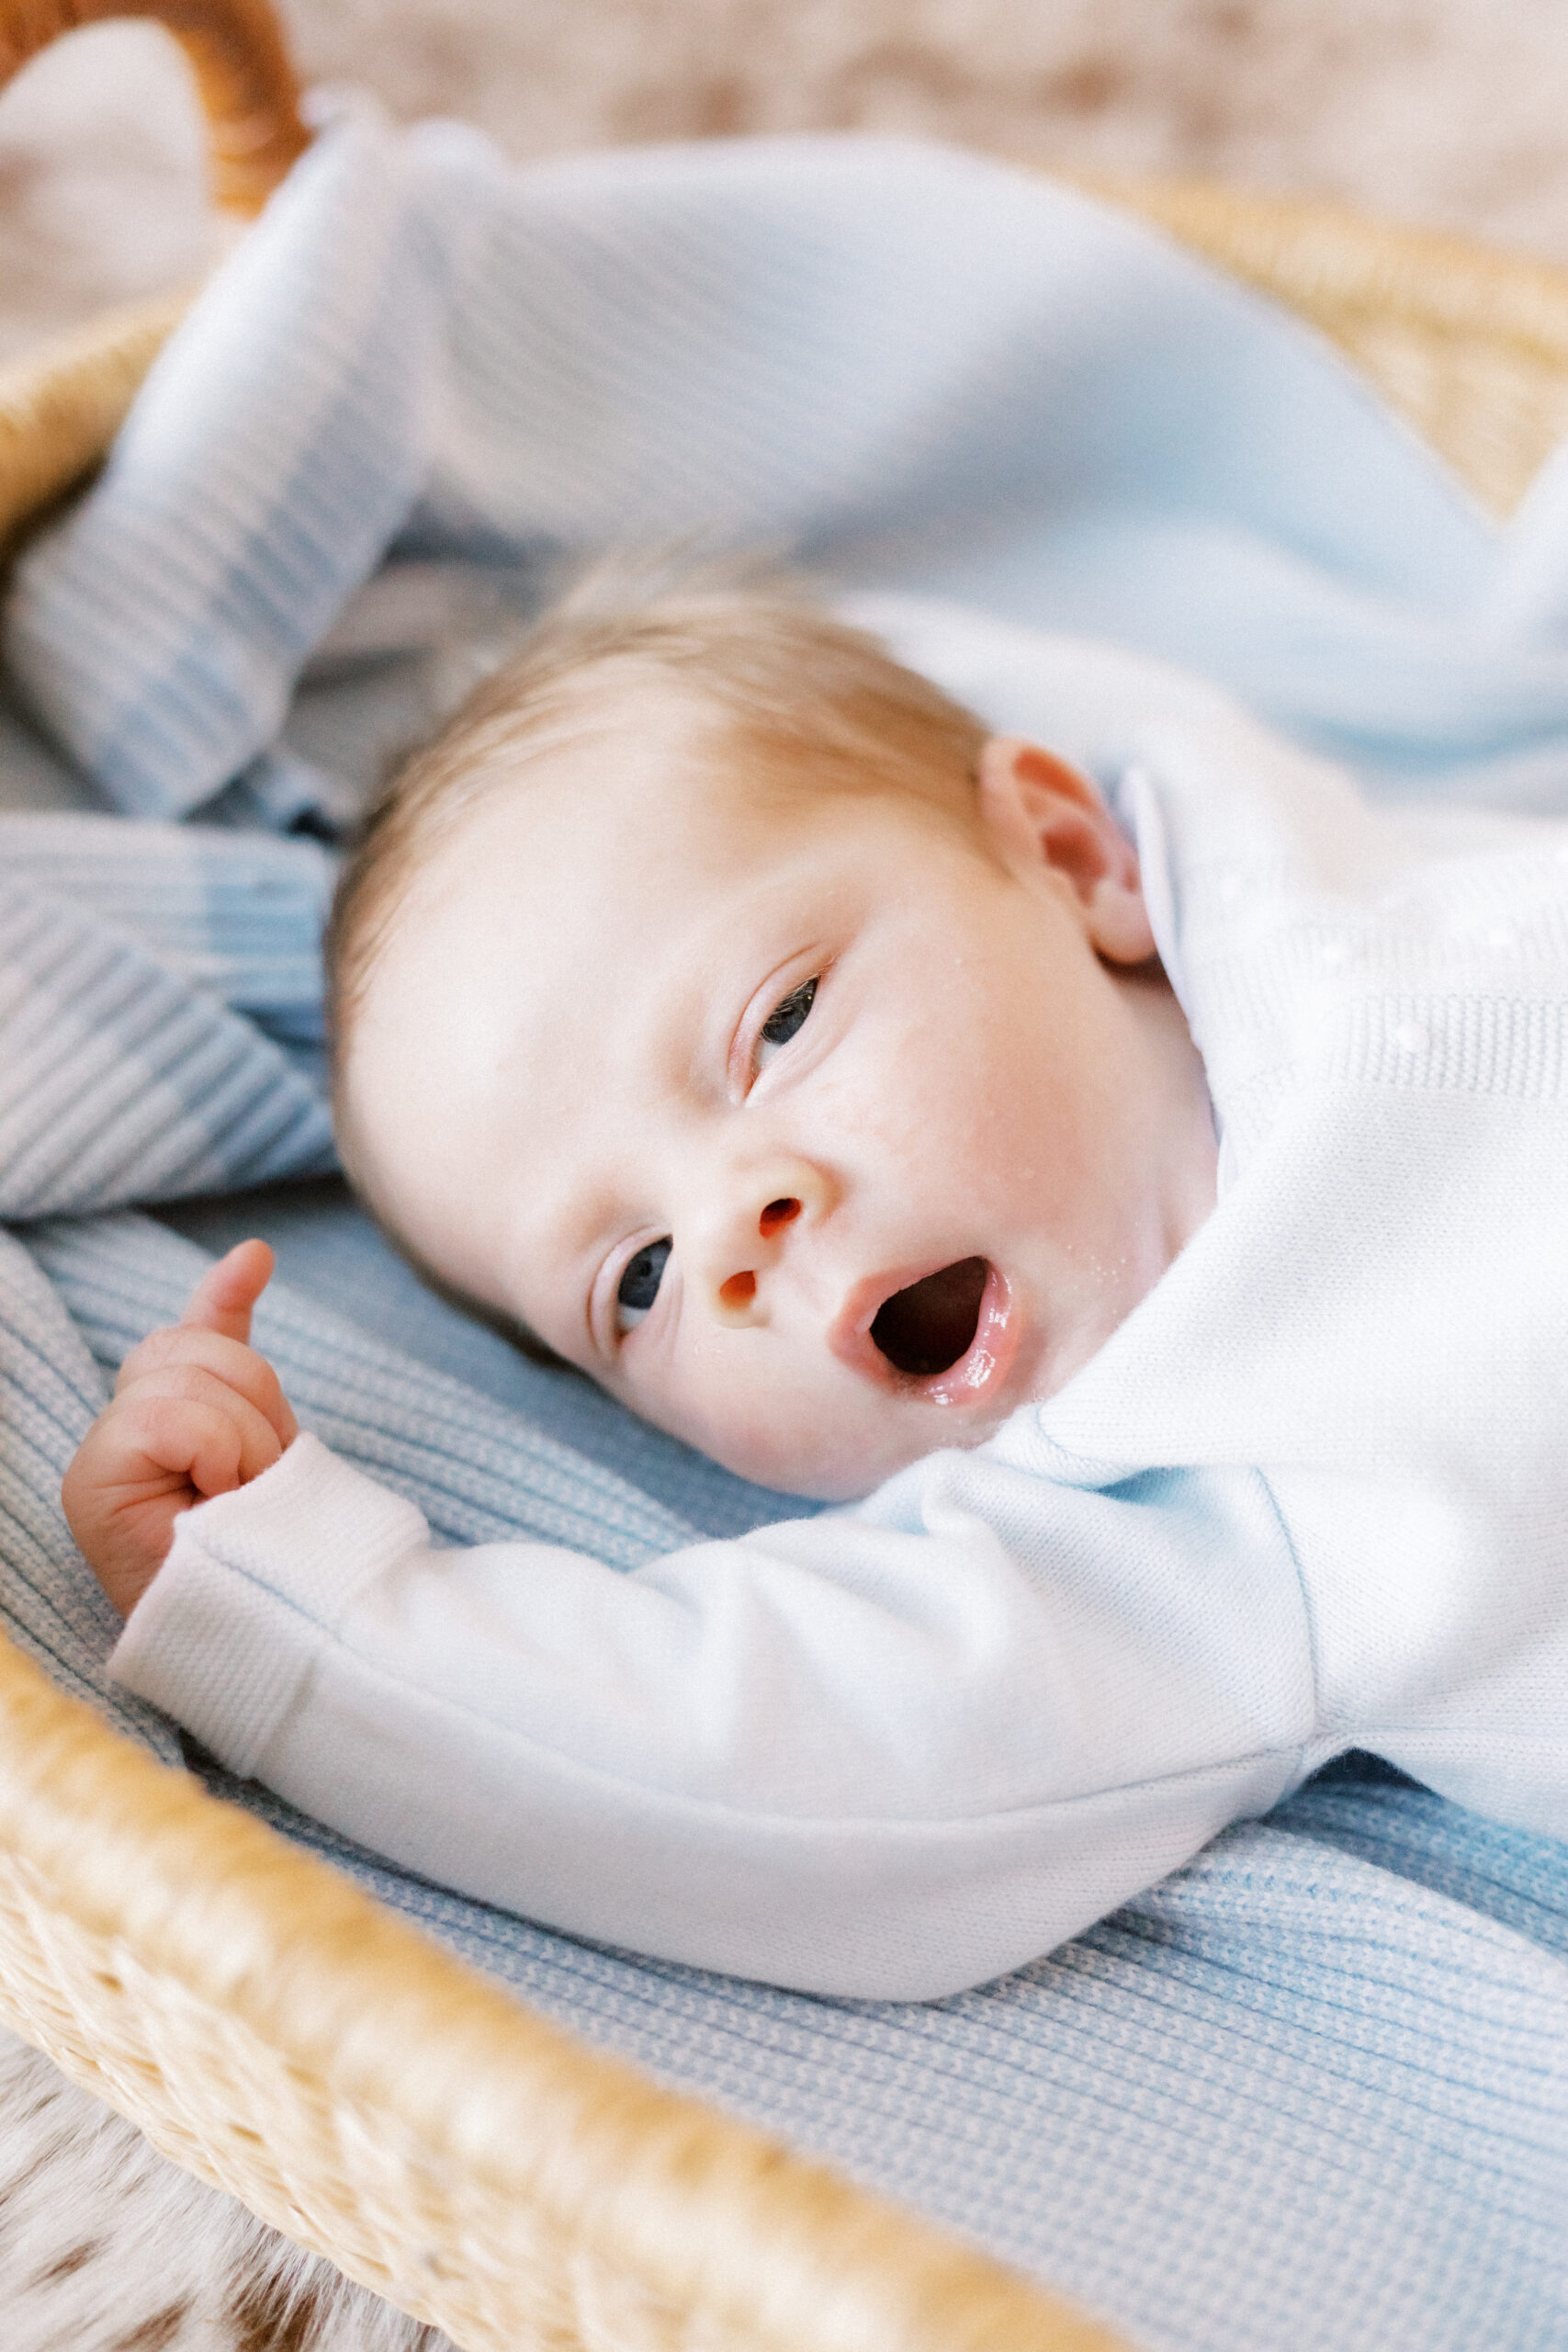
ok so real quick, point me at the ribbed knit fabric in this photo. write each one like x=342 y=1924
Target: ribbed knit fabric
x=237 y=917
x=124 y=1075
x=909 y=366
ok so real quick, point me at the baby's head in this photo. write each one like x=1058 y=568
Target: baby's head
x=716 y=1001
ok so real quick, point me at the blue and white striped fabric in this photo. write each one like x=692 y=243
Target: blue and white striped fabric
x=915 y=368
x=237 y=916
x=280 y=448
x=1311 y=2096
x=142 y=970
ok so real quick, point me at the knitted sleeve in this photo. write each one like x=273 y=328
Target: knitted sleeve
x=885 y=1752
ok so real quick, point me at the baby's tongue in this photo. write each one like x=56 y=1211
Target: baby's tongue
x=926 y=1327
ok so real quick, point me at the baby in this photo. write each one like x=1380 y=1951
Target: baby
x=717 y=1003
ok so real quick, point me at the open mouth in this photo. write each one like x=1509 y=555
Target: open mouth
x=926 y=1328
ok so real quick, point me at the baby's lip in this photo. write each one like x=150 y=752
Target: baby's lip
x=974 y=1378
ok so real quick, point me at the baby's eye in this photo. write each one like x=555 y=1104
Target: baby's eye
x=638 y=1286
x=785 y=1018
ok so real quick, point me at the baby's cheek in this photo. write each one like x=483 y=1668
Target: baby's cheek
x=807 y=1439
x=750 y=1419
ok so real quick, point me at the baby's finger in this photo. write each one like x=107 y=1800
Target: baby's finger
x=161 y=1440
x=230 y=1361
x=177 y=1389
x=223 y=1298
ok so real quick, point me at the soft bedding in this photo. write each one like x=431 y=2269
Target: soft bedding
x=1310 y=2093
x=1313 y=2091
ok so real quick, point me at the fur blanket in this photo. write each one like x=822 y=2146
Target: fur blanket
x=104 y=2246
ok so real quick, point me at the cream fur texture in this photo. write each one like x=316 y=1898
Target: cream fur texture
x=107 y=2247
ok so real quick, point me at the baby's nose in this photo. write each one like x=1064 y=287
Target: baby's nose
x=737 y=1291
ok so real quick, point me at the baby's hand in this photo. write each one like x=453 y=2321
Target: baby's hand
x=195 y=1412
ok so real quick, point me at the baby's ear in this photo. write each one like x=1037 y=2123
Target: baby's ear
x=1044 y=818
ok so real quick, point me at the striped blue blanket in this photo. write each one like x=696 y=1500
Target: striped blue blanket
x=1310 y=2095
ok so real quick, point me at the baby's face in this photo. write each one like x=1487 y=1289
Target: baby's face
x=823 y=1132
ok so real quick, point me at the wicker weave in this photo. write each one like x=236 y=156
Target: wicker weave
x=265 y=2023
x=59 y=409
x=278 y=2032
x=234 y=48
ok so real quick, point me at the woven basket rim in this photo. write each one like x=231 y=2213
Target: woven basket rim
x=1343 y=254
x=691 y=2201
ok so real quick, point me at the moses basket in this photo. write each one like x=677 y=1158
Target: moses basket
x=271 y=2028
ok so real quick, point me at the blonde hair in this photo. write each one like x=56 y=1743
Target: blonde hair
x=809 y=701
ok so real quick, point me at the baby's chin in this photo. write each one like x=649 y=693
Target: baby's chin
x=829 y=1469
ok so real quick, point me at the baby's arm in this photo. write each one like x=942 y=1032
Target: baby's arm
x=889 y=1752
x=197 y=1412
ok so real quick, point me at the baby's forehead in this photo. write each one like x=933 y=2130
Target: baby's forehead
x=594 y=841
x=554 y=931
x=626 y=799
x=593 y=844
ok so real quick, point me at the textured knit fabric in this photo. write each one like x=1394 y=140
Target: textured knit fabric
x=141 y=972
x=914 y=367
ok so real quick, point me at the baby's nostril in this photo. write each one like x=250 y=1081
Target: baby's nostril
x=739 y=1291
x=777 y=1213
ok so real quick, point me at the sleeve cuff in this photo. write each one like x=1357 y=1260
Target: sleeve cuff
x=254 y=1585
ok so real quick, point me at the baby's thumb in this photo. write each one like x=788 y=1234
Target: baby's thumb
x=223 y=1298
